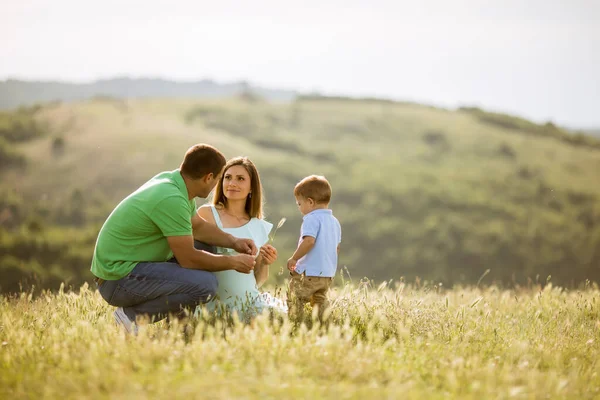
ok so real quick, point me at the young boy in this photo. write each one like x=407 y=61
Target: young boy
x=314 y=263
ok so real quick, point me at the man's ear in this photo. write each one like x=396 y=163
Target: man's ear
x=208 y=177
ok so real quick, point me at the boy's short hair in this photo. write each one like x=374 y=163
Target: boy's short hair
x=315 y=187
x=201 y=160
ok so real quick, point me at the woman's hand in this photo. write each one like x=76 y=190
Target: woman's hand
x=268 y=253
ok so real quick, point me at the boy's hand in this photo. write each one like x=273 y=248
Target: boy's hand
x=244 y=246
x=268 y=253
x=291 y=264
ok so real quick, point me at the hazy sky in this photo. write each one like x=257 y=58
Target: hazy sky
x=536 y=58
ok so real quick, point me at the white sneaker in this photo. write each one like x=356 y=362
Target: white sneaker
x=122 y=319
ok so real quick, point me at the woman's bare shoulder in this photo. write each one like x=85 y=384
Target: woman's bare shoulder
x=206 y=213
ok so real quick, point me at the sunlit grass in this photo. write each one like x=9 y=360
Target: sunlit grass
x=402 y=342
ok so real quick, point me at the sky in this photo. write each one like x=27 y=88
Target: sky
x=539 y=59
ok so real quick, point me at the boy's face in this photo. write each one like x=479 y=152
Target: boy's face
x=305 y=205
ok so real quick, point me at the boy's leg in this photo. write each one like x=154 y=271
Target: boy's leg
x=319 y=298
x=297 y=296
x=158 y=289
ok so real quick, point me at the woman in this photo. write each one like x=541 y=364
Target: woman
x=237 y=209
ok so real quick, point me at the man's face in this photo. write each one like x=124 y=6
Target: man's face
x=208 y=183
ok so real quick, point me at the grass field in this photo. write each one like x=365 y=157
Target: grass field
x=392 y=341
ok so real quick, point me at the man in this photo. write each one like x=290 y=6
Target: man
x=133 y=261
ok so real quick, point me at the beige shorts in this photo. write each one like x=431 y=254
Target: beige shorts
x=308 y=288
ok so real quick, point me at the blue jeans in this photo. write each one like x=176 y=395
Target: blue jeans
x=157 y=289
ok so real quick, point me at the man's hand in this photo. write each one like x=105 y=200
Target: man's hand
x=291 y=264
x=243 y=263
x=244 y=246
x=269 y=254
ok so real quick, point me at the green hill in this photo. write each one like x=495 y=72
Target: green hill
x=420 y=191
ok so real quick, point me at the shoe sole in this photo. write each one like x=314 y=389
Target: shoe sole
x=126 y=324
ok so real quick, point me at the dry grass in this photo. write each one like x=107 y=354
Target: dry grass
x=401 y=342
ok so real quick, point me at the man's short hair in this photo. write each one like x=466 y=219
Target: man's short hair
x=315 y=187
x=201 y=160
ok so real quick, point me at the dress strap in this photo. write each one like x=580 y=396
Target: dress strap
x=216 y=216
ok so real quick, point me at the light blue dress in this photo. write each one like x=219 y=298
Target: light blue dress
x=238 y=291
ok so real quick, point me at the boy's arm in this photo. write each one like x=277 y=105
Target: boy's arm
x=306 y=245
x=308 y=232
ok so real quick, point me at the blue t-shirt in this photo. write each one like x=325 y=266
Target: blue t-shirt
x=322 y=259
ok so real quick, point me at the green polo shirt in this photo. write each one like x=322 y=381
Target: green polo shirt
x=137 y=229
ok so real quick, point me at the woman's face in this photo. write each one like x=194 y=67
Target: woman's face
x=236 y=183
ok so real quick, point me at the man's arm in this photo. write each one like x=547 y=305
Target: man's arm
x=208 y=233
x=188 y=257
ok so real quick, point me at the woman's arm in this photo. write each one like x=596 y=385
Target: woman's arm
x=206 y=214
x=261 y=271
x=268 y=255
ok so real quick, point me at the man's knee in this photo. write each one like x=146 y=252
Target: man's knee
x=212 y=285
x=206 y=286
